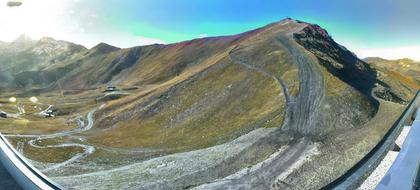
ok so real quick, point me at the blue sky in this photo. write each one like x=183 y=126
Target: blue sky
x=387 y=28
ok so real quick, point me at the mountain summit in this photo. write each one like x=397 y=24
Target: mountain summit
x=283 y=95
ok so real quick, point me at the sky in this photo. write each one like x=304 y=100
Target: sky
x=382 y=28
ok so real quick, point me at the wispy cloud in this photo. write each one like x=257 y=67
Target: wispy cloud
x=203 y=35
x=148 y=41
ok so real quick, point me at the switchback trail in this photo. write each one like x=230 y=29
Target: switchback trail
x=301 y=117
x=222 y=166
x=88 y=150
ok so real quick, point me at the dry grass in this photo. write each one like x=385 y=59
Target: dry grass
x=30 y=122
x=219 y=105
x=50 y=155
x=407 y=80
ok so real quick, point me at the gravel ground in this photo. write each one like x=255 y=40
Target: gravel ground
x=159 y=172
x=373 y=180
x=403 y=135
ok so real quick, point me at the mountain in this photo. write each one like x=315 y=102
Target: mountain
x=402 y=76
x=265 y=60
x=286 y=94
x=25 y=54
x=264 y=52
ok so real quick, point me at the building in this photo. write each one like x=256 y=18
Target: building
x=3 y=114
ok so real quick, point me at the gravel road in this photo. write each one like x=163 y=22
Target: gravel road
x=88 y=150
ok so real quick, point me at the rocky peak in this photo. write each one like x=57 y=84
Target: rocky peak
x=315 y=32
x=47 y=40
x=50 y=46
x=103 y=48
x=336 y=58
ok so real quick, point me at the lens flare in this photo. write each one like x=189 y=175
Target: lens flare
x=33 y=99
x=12 y=99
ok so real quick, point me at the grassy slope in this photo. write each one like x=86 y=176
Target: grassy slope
x=193 y=95
x=198 y=108
x=215 y=106
x=210 y=101
x=30 y=123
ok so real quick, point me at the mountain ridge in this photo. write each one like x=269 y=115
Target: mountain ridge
x=288 y=85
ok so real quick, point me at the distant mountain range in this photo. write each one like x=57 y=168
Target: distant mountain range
x=39 y=63
x=26 y=55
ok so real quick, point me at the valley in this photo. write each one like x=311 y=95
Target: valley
x=283 y=106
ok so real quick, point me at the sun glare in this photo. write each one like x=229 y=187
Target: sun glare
x=12 y=99
x=31 y=18
x=33 y=99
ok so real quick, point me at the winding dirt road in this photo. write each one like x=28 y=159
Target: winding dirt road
x=88 y=150
x=304 y=109
x=221 y=167
x=301 y=115
x=227 y=173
